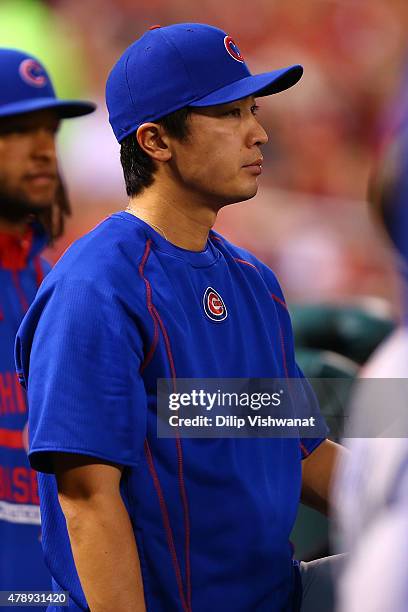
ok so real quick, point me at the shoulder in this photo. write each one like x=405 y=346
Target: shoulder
x=98 y=275
x=108 y=254
x=248 y=261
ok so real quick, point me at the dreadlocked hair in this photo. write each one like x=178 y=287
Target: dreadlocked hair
x=53 y=218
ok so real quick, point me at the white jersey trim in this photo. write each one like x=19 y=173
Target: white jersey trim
x=20 y=513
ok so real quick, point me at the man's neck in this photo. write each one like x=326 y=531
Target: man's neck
x=179 y=221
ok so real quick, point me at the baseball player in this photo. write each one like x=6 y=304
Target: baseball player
x=132 y=521
x=371 y=492
x=33 y=206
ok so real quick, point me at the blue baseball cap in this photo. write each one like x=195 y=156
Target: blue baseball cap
x=27 y=88
x=185 y=64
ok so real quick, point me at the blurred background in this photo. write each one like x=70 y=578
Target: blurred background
x=310 y=221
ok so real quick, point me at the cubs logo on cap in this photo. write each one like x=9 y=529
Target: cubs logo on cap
x=232 y=49
x=33 y=73
x=183 y=64
x=214 y=306
x=29 y=88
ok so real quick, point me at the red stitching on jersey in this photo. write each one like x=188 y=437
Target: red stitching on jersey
x=17 y=285
x=184 y=500
x=157 y=320
x=10 y=438
x=38 y=270
x=213 y=237
x=246 y=262
x=279 y=300
x=183 y=493
x=166 y=521
x=274 y=297
x=152 y=349
x=155 y=339
x=167 y=343
x=304 y=449
x=282 y=340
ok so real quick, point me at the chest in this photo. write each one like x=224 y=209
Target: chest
x=211 y=322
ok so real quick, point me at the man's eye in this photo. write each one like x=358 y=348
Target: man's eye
x=11 y=130
x=254 y=109
x=234 y=112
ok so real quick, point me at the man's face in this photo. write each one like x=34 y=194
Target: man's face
x=28 y=163
x=220 y=161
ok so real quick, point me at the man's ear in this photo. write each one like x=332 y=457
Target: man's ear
x=153 y=140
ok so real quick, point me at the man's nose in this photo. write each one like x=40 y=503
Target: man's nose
x=44 y=144
x=258 y=134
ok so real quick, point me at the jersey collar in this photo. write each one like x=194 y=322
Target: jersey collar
x=16 y=251
x=197 y=259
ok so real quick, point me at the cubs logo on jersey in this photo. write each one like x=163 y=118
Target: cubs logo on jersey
x=233 y=50
x=33 y=73
x=214 y=306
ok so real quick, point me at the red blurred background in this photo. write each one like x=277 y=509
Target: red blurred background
x=310 y=221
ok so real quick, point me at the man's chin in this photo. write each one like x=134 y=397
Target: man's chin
x=37 y=206
x=244 y=196
x=15 y=208
x=251 y=194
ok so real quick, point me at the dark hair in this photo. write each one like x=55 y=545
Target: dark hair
x=138 y=167
x=53 y=218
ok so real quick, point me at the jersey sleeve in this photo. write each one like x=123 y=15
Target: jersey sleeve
x=78 y=353
x=309 y=444
x=303 y=387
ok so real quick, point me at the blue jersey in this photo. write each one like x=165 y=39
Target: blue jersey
x=122 y=308
x=21 y=557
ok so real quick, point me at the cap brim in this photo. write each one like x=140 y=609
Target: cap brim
x=259 y=85
x=65 y=108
